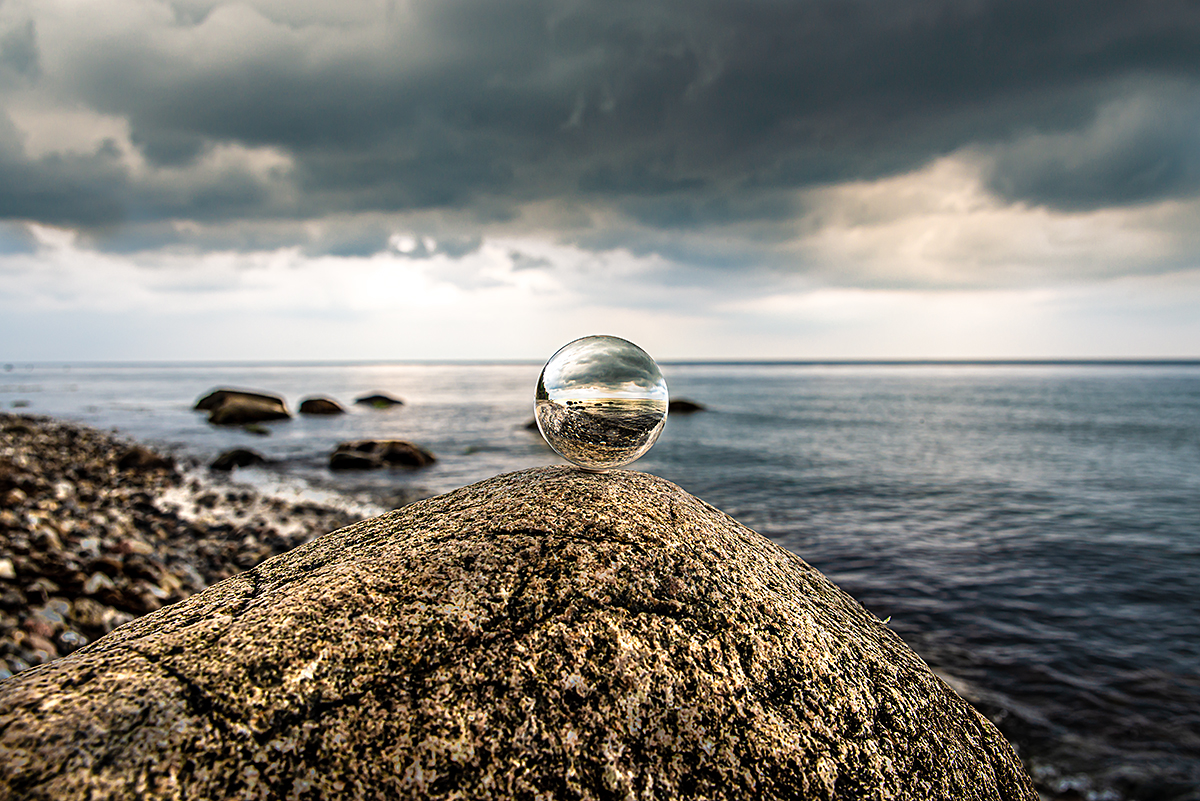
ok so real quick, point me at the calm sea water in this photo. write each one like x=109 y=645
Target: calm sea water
x=1033 y=531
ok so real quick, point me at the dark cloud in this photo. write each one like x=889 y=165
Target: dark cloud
x=69 y=190
x=166 y=147
x=1141 y=146
x=359 y=235
x=675 y=115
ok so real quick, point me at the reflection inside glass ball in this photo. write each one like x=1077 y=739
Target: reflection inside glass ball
x=601 y=402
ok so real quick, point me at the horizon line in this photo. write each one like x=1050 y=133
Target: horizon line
x=13 y=366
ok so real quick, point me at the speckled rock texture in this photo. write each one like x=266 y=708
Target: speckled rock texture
x=548 y=634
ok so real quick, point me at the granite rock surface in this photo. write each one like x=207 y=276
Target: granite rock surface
x=544 y=634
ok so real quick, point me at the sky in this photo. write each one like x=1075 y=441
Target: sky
x=602 y=367
x=471 y=179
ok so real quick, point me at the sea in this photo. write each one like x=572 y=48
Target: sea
x=1032 y=530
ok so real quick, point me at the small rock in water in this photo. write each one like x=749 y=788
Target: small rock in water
x=241 y=411
x=370 y=454
x=351 y=460
x=320 y=406
x=220 y=397
x=379 y=400
x=238 y=457
x=682 y=406
x=234 y=407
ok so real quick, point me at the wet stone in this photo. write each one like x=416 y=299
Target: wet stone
x=238 y=457
x=374 y=454
x=320 y=406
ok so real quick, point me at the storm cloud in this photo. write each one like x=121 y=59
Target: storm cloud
x=470 y=179
x=661 y=117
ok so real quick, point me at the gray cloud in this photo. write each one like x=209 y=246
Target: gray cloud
x=674 y=116
x=16 y=239
x=18 y=51
x=523 y=261
x=64 y=190
x=1143 y=145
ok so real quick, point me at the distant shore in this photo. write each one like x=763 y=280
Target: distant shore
x=96 y=530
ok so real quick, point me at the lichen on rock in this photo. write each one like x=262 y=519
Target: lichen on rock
x=544 y=634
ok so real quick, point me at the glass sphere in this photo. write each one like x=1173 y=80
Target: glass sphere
x=601 y=402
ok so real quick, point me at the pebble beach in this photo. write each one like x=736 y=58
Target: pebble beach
x=96 y=531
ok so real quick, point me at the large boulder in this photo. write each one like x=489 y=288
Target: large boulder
x=544 y=634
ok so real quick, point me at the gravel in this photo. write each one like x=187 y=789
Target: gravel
x=96 y=531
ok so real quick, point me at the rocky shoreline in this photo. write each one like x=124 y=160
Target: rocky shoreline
x=96 y=531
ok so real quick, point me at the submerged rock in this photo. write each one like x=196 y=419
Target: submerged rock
x=369 y=454
x=550 y=633
x=320 y=406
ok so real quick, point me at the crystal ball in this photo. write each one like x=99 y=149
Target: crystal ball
x=601 y=402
